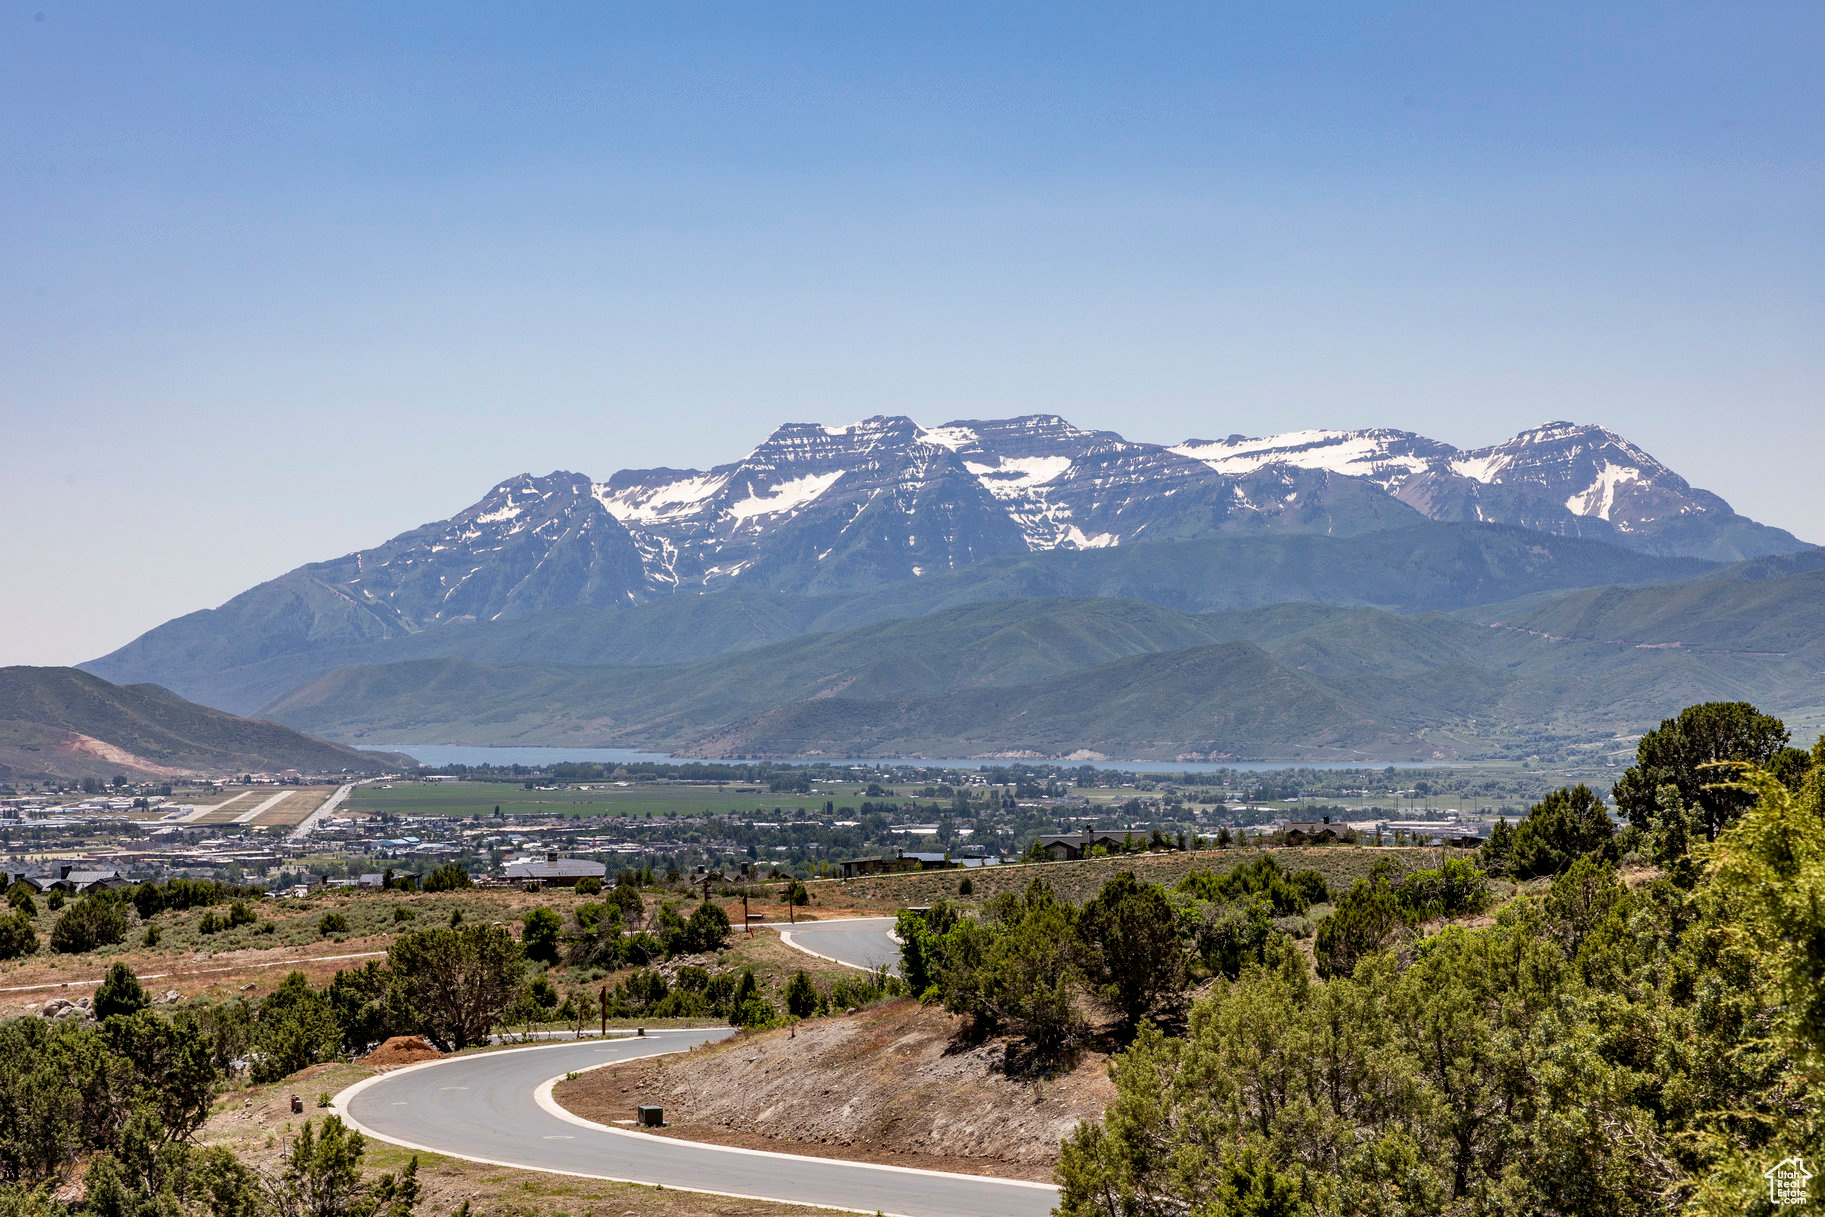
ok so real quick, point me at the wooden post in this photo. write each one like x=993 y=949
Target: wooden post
x=746 y=925
x=604 y=1011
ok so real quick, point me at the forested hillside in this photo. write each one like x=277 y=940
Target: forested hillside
x=1132 y=679
x=1637 y=1030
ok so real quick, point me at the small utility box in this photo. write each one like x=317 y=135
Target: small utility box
x=649 y=1117
x=297 y=1105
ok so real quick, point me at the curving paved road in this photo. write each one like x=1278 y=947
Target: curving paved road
x=496 y=1107
x=860 y=942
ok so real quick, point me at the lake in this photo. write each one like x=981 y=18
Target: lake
x=435 y=755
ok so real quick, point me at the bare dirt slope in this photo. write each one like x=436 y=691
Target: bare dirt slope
x=888 y=1084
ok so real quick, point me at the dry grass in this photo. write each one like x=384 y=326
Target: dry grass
x=255 y=1122
x=891 y=1084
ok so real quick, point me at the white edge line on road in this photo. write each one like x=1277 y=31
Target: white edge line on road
x=785 y=936
x=793 y=943
x=549 y=1102
x=339 y=1107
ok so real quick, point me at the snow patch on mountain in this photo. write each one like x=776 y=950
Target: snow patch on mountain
x=1380 y=455
x=1599 y=498
x=786 y=497
x=1074 y=538
x=506 y=512
x=1014 y=476
x=956 y=438
x=650 y=504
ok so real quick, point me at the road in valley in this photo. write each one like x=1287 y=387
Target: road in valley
x=860 y=942
x=496 y=1107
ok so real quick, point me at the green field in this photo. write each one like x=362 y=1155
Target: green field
x=481 y=798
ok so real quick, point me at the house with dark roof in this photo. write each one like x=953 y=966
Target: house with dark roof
x=1311 y=832
x=886 y=864
x=905 y=860
x=1070 y=846
x=81 y=882
x=71 y=878
x=553 y=871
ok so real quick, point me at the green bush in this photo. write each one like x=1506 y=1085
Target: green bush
x=1369 y=918
x=365 y=1006
x=1016 y=968
x=293 y=1029
x=1454 y=889
x=589 y=886
x=332 y=923
x=1132 y=953
x=755 y=1014
x=20 y=897
x=706 y=930
x=120 y=993
x=150 y=899
x=17 y=937
x=1228 y=937
x=802 y=998
x=447 y=878
x=539 y=939
x=96 y=920
x=1563 y=827
x=1289 y=894
x=457 y=983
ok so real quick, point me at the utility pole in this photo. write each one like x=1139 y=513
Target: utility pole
x=746 y=925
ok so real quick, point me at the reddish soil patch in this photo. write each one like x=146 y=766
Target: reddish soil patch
x=401 y=1050
x=890 y=1084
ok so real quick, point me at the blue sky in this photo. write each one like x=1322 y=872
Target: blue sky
x=282 y=281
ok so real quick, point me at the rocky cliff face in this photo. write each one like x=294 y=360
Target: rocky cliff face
x=1562 y=478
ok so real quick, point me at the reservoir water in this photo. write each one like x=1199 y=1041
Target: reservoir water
x=459 y=754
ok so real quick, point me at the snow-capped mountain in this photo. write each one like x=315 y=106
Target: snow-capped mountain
x=818 y=509
x=821 y=508
x=1560 y=477
x=529 y=543
x=816 y=506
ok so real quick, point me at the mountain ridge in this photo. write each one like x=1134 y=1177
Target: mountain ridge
x=816 y=511
x=1425 y=567
x=66 y=723
x=1141 y=681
